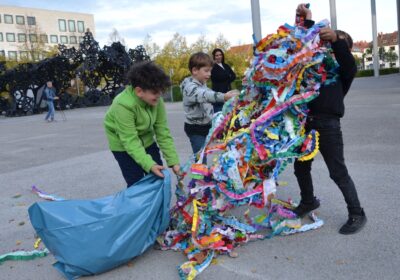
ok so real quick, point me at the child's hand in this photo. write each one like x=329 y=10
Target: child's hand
x=327 y=34
x=177 y=168
x=303 y=11
x=231 y=94
x=157 y=170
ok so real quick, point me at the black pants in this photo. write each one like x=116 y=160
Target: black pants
x=132 y=171
x=331 y=148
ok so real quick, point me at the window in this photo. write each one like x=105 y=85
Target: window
x=12 y=55
x=71 y=26
x=44 y=38
x=81 y=26
x=72 y=40
x=35 y=56
x=80 y=39
x=23 y=54
x=31 y=20
x=8 y=19
x=62 y=25
x=33 y=38
x=64 y=39
x=391 y=48
x=2 y=53
x=54 y=39
x=21 y=37
x=10 y=37
x=1 y=37
x=20 y=20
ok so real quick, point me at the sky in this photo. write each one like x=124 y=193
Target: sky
x=135 y=19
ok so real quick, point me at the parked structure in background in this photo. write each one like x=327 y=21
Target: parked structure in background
x=25 y=33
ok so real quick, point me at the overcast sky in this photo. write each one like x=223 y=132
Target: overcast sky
x=134 y=19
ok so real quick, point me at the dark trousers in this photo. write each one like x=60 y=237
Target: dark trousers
x=132 y=171
x=331 y=148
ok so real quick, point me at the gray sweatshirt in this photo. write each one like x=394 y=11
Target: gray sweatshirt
x=196 y=101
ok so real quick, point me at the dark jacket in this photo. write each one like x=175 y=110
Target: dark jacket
x=222 y=78
x=329 y=103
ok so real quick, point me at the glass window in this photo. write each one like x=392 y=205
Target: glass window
x=2 y=53
x=81 y=26
x=72 y=40
x=71 y=26
x=21 y=37
x=20 y=19
x=31 y=20
x=64 y=39
x=80 y=39
x=44 y=38
x=23 y=55
x=10 y=37
x=35 y=56
x=12 y=55
x=33 y=38
x=1 y=37
x=54 y=39
x=62 y=25
x=8 y=19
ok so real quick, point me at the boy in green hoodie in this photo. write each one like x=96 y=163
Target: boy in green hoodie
x=136 y=115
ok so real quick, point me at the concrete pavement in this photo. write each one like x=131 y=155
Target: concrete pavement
x=71 y=159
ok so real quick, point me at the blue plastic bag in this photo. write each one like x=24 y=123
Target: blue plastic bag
x=92 y=236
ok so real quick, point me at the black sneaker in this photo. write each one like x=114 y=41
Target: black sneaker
x=305 y=208
x=354 y=224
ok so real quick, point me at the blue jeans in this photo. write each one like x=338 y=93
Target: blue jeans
x=50 y=113
x=197 y=142
x=132 y=171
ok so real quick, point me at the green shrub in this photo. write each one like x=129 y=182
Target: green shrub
x=383 y=71
x=176 y=93
x=237 y=84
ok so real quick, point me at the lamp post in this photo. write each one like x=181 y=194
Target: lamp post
x=374 y=39
x=332 y=8
x=256 y=19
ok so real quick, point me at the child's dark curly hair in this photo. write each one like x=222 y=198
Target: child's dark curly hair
x=148 y=76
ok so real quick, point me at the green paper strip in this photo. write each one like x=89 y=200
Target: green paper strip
x=23 y=255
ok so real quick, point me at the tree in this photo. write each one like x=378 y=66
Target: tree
x=152 y=49
x=201 y=45
x=33 y=42
x=391 y=57
x=174 y=58
x=220 y=42
x=114 y=37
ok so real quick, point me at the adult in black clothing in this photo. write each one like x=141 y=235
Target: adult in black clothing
x=324 y=116
x=221 y=76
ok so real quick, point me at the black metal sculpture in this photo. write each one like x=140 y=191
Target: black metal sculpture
x=98 y=72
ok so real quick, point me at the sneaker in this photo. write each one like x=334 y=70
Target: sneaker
x=305 y=208
x=354 y=224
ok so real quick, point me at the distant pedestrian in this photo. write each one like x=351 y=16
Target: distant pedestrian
x=222 y=76
x=137 y=121
x=50 y=95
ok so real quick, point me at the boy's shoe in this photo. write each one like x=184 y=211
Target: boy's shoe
x=305 y=208
x=354 y=224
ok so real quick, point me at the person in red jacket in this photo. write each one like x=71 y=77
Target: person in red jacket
x=324 y=115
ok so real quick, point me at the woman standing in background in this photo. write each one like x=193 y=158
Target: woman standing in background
x=221 y=76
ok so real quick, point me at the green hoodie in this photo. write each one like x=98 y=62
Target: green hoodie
x=131 y=125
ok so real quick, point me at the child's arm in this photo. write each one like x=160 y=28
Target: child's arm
x=163 y=136
x=126 y=129
x=195 y=93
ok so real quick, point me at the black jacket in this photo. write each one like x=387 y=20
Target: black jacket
x=329 y=103
x=222 y=78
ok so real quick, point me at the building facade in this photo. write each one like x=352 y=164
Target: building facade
x=25 y=33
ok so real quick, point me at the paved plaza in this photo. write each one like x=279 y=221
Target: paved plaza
x=71 y=159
